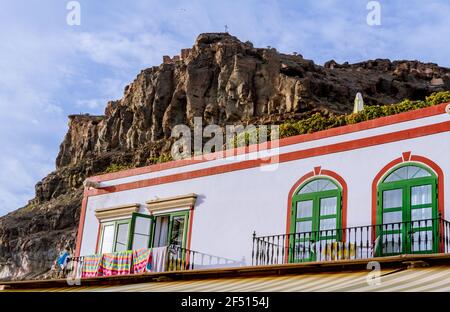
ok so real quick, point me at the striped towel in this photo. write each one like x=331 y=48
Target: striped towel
x=142 y=259
x=116 y=263
x=91 y=265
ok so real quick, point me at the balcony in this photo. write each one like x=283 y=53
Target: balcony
x=361 y=242
x=174 y=258
x=428 y=236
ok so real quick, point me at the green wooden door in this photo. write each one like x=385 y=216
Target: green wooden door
x=316 y=216
x=407 y=212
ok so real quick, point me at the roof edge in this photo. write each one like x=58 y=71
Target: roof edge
x=352 y=128
x=399 y=262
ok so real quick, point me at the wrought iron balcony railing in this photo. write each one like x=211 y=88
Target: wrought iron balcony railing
x=360 y=242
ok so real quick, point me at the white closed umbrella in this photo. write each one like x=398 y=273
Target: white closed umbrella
x=359 y=103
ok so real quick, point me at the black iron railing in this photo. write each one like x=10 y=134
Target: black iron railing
x=176 y=258
x=359 y=242
x=180 y=258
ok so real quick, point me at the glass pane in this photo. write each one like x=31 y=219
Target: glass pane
x=142 y=225
x=326 y=185
x=392 y=243
x=421 y=195
x=424 y=222
x=397 y=175
x=318 y=186
x=122 y=237
x=302 y=236
x=177 y=231
x=392 y=217
x=412 y=171
x=311 y=187
x=304 y=226
x=141 y=233
x=422 y=241
x=140 y=241
x=328 y=206
x=420 y=173
x=304 y=209
x=392 y=198
x=161 y=229
x=421 y=214
x=108 y=238
x=327 y=224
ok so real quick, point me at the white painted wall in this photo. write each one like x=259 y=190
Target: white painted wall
x=231 y=206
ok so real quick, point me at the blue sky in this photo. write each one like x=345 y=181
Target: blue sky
x=49 y=69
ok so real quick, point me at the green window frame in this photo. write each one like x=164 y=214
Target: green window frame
x=303 y=243
x=402 y=236
x=172 y=223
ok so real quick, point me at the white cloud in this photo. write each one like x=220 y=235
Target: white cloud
x=107 y=89
x=91 y=104
x=125 y=51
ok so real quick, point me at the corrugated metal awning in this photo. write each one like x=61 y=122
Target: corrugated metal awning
x=418 y=279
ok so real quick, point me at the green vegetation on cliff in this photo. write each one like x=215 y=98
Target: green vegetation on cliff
x=322 y=121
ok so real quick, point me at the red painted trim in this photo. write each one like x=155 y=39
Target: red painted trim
x=414 y=158
x=144 y=170
x=81 y=223
x=301 y=154
x=317 y=170
x=191 y=221
x=406 y=156
x=325 y=173
x=365 y=125
x=98 y=237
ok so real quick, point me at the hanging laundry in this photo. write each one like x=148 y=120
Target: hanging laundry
x=142 y=259
x=159 y=257
x=338 y=251
x=116 y=263
x=62 y=259
x=91 y=266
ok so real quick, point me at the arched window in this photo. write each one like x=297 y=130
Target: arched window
x=316 y=214
x=407 y=211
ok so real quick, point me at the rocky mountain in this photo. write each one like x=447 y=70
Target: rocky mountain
x=220 y=79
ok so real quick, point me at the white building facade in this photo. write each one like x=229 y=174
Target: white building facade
x=343 y=185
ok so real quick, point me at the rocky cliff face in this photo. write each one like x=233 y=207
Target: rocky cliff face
x=220 y=79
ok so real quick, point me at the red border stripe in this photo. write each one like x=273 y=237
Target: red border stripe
x=364 y=125
x=291 y=156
